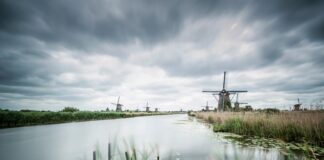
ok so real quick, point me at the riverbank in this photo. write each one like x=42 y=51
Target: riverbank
x=295 y=127
x=9 y=119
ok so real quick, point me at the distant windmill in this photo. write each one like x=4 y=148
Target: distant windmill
x=237 y=103
x=118 y=105
x=206 y=108
x=224 y=101
x=297 y=106
x=156 y=109
x=147 y=108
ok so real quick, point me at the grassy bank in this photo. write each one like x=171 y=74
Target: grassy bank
x=23 y=118
x=300 y=127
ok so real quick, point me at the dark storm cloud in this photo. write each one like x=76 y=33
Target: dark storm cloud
x=289 y=14
x=285 y=25
x=119 y=21
x=24 y=25
x=69 y=22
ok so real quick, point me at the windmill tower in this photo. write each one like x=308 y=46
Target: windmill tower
x=297 y=106
x=118 y=105
x=156 y=110
x=224 y=101
x=206 y=108
x=237 y=103
x=147 y=108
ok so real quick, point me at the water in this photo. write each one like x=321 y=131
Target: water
x=176 y=136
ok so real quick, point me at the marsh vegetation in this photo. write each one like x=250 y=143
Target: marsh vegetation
x=306 y=128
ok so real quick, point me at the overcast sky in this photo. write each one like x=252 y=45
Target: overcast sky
x=83 y=53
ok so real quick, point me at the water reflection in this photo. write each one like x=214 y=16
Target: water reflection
x=171 y=137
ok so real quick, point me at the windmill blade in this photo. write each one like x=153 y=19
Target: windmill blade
x=232 y=97
x=215 y=96
x=223 y=102
x=118 y=100
x=224 y=81
x=233 y=91
x=211 y=91
x=299 y=101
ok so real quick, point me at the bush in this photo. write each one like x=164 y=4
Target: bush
x=210 y=119
x=70 y=109
x=271 y=110
x=218 y=128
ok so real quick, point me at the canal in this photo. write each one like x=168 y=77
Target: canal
x=170 y=136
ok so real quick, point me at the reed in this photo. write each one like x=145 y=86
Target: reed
x=127 y=150
x=288 y=126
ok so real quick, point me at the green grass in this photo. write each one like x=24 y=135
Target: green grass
x=19 y=118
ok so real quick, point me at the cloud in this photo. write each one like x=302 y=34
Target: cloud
x=86 y=53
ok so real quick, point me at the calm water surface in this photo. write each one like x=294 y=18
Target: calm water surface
x=175 y=136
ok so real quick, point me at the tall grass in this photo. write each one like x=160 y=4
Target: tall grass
x=122 y=149
x=287 y=126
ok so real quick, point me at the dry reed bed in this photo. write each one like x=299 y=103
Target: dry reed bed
x=288 y=126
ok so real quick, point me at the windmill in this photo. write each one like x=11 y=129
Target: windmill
x=156 y=110
x=118 y=105
x=206 y=108
x=147 y=108
x=224 y=101
x=297 y=106
x=237 y=103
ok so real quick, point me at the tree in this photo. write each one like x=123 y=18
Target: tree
x=248 y=108
x=70 y=109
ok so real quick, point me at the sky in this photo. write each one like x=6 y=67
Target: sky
x=82 y=53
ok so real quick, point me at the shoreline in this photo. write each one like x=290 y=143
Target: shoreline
x=15 y=119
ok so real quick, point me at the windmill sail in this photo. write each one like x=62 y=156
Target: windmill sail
x=118 y=105
x=224 y=101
